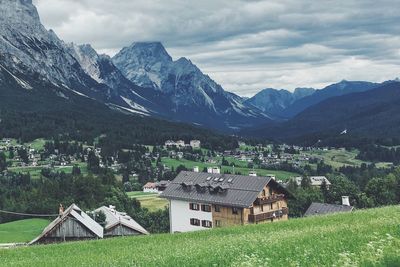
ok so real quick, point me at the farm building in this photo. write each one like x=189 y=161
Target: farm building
x=72 y=224
x=324 y=208
x=316 y=181
x=200 y=201
x=150 y=187
x=156 y=187
x=120 y=224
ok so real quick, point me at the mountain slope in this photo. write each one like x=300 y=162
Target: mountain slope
x=190 y=95
x=273 y=102
x=31 y=109
x=372 y=114
x=157 y=85
x=338 y=89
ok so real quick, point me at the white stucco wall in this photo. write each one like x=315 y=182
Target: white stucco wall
x=180 y=216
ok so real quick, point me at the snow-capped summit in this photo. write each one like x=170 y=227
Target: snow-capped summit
x=142 y=78
x=193 y=96
x=144 y=63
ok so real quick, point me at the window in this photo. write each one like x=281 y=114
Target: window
x=262 y=207
x=235 y=211
x=193 y=206
x=272 y=206
x=217 y=208
x=206 y=224
x=218 y=223
x=270 y=191
x=195 y=222
x=263 y=193
x=206 y=208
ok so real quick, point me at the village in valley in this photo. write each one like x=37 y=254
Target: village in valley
x=199 y=188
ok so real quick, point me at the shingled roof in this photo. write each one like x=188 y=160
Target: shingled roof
x=323 y=208
x=220 y=189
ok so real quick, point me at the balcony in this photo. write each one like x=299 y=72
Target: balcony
x=254 y=218
x=270 y=199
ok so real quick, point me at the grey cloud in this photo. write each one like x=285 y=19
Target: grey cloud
x=246 y=45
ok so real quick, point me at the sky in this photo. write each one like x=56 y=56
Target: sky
x=246 y=45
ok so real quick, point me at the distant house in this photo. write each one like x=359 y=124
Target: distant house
x=150 y=187
x=201 y=201
x=162 y=185
x=169 y=143
x=195 y=143
x=324 y=208
x=72 y=224
x=316 y=181
x=180 y=143
x=120 y=224
x=156 y=187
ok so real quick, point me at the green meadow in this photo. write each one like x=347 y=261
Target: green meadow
x=21 y=231
x=362 y=238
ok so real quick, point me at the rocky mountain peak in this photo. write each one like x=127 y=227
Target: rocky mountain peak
x=21 y=15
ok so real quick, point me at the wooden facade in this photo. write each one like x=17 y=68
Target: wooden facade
x=69 y=229
x=73 y=224
x=120 y=230
x=269 y=206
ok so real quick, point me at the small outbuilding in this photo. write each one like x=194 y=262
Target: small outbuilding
x=72 y=224
x=120 y=224
x=324 y=208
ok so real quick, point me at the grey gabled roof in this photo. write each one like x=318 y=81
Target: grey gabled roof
x=234 y=190
x=323 y=208
x=114 y=218
x=75 y=212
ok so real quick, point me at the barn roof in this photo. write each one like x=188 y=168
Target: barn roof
x=75 y=212
x=324 y=208
x=114 y=218
x=220 y=189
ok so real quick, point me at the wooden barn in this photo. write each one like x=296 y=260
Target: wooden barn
x=120 y=224
x=72 y=224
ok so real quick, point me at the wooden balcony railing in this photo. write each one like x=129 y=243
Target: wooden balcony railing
x=254 y=218
x=270 y=199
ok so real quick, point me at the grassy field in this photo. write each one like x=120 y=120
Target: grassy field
x=151 y=201
x=280 y=175
x=338 y=158
x=363 y=238
x=21 y=231
x=35 y=172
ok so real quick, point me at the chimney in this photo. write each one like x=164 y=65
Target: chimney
x=345 y=201
x=252 y=173
x=196 y=169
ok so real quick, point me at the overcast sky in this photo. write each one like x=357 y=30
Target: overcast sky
x=246 y=45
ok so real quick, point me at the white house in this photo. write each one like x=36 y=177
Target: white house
x=195 y=143
x=150 y=188
x=180 y=143
x=200 y=201
x=170 y=143
x=316 y=181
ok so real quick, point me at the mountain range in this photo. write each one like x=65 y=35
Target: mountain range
x=373 y=113
x=143 y=79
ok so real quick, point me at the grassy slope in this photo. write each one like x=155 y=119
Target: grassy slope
x=150 y=201
x=21 y=231
x=368 y=236
x=281 y=175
